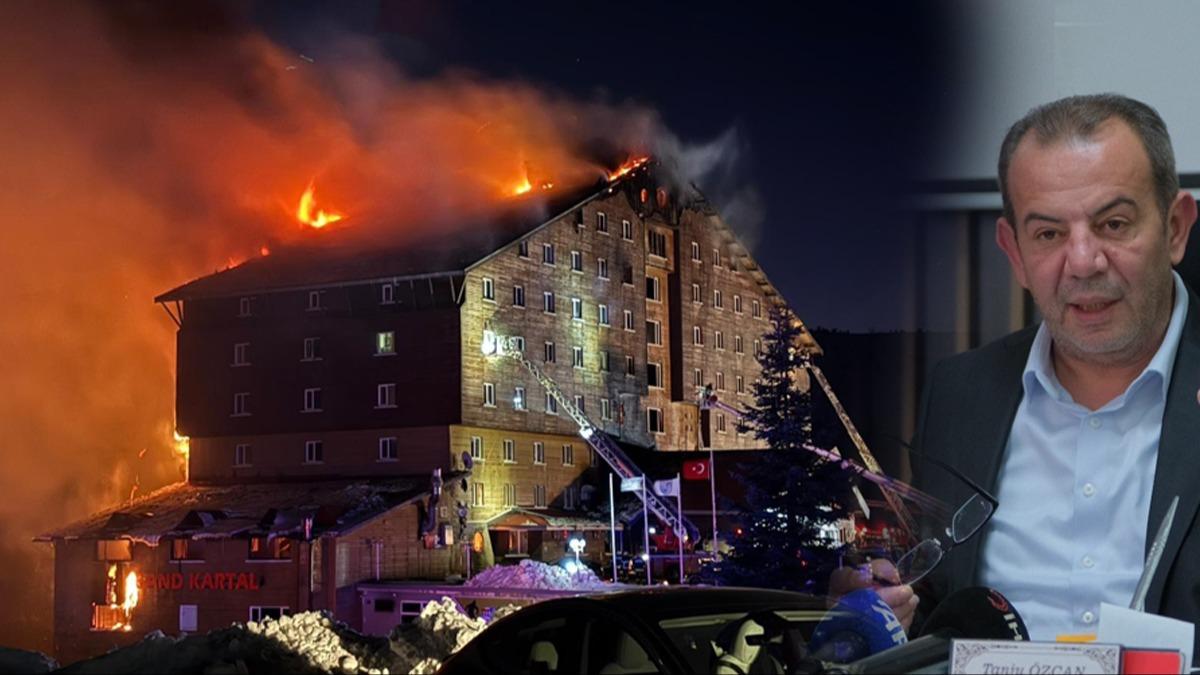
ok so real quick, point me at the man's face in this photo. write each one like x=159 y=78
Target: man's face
x=1090 y=244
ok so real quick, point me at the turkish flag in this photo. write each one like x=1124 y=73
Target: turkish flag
x=696 y=469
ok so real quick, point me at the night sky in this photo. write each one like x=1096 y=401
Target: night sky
x=831 y=108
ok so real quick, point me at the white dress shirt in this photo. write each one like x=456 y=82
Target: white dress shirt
x=1074 y=492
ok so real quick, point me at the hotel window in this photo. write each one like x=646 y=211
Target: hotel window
x=568 y=454
x=548 y=352
x=185 y=549
x=387 y=449
x=489 y=289
x=519 y=343
x=314 y=452
x=477 y=494
x=539 y=452
x=312 y=400
x=758 y=347
x=697 y=335
x=603 y=312
x=571 y=498
x=314 y=300
x=523 y=249
x=654 y=421
x=241 y=354
x=114 y=549
x=312 y=349
x=246 y=307
x=605 y=409
x=601 y=222
x=476 y=448
x=721 y=422
x=696 y=296
x=697 y=377
x=387 y=294
x=654 y=332
x=602 y=268
x=577 y=357
x=718 y=299
x=489 y=395
x=626 y=230
x=737 y=304
x=630 y=366
x=577 y=309
x=241 y=404
x=539 y=496
x=385 y=343
x=580 y=404
x=578 y=217
x=716 y=257
x=654 y=375
x=739 y=383
x=628 y=320
x=548 y=254
x=551 y=405
x=627 y=275
x=738 y=347
x=696 y=251
x=652 y=290
x=519 y=398
x=658 y=244
x=242 y=456
x=257 y=613
x=605 y=362
x=510 y=494
x=755 y=309
x=548 y=302
x=576 y=261
x=510 y=451
x=518 y=296
x=720 y=381
x=385 y=395
x=719 y=340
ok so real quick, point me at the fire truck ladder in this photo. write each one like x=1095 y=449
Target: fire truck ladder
x=499 y=345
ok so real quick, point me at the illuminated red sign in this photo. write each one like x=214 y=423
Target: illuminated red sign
x=200 y=581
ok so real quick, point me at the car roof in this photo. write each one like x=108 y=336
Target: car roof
x=686 y=599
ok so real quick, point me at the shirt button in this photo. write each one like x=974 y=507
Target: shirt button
x=1088 y=562
x=1088 y=617
x=1094 y=422
x=1088 y=489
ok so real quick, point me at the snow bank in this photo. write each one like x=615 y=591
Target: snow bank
x=534 y=574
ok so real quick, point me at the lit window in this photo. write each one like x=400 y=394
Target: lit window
x=548 y=302
x=577 y=357
x=185 y=549
x=718 y=299
x=568 y=454
x=601 y=222
x=519 y=398
x=548 y=352
x=696 y=297
x=242 y=455
x=314 y=452
x=652 y=289
x=385 y=395
x=603 y=311
x=539 y=452
x=241 y=404
x=654 y=332
x=387 y=449
x=737 y=304
x=602 y=268
x=477 y=498
x=312 y=400
x=697 y=335
x=654 y=375
x=489 y=289
x=385 y=343
x=626 y=230
x=654 y=421
x=241 y=355
x=245 y=306
x=510 y=450
x=548 y=254
x=314 y=300
x=577 y=309
x=719 y=340
x=696 y=251
x=476 y=448
x=605 y=409
x=551 y=405
x=576 y=261
x=387 y=294
x=489 y=395
x=628 y=320
x=312 y=349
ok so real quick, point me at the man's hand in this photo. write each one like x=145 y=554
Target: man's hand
x=881 y=576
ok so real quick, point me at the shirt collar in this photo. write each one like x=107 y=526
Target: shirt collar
x=1040 y=372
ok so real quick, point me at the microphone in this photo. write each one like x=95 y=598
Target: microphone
x=978 y=613
x=860 y=624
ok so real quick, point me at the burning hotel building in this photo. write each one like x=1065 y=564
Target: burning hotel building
x=346 y=427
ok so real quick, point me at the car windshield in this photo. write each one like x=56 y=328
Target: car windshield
x=759 y=641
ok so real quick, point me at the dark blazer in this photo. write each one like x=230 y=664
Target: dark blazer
x=968 y=411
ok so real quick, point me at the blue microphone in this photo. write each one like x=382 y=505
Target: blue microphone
x=859 y=625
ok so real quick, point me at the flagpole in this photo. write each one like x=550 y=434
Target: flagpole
x=712 y=486
x=682 y=527
x=646 y=528
x=612 y=524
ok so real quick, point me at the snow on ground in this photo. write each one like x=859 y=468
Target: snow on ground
x=534 y=574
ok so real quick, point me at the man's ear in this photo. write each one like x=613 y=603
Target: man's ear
x=1006 y=239
x=1179 y=224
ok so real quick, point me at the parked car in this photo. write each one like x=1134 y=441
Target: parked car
x=655 y=630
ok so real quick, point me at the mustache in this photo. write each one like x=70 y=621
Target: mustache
x=1091 y=289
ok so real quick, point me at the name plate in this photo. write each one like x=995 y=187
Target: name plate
x=1005 y=657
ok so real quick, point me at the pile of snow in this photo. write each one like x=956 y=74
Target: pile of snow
x=311 y=642
x=534 y=574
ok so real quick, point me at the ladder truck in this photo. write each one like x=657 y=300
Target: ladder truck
x=497 y=345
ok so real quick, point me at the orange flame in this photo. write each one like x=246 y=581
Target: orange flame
x=627 y=167
x=318 y=220
x=131 y=596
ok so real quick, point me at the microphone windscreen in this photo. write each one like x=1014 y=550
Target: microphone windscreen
x=977 y=613
x=859 y=625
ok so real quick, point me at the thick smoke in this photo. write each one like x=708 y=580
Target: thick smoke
x=147 y=144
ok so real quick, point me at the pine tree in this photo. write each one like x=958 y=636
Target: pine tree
x=790 y=492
